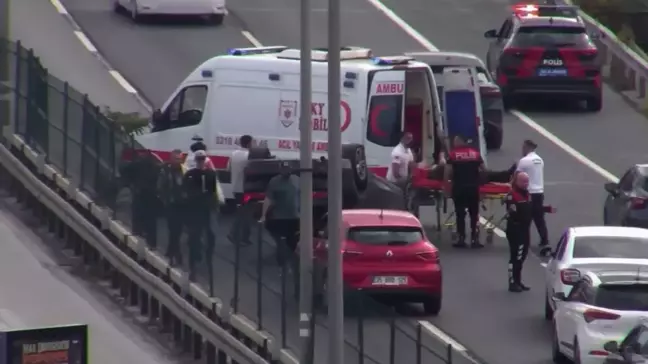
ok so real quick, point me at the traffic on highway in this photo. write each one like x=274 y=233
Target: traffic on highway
x=529 y=52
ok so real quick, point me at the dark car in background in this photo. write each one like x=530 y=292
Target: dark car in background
x=633 y=349
x=627 y=200
x=545 y=50
x=491 y=97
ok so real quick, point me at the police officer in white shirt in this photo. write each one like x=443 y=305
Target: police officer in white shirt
x=240 y=232
x=533 y=165
x=402 y=160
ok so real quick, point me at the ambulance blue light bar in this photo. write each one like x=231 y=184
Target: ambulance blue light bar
x=391 y=61
x=255 y=50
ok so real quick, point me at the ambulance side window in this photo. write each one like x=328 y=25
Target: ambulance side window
x=187 y=108
x=385 y=113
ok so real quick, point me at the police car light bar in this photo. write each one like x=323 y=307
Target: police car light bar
x=392 y=61
x=321 y=55
x=569 y=11
x=255 y=50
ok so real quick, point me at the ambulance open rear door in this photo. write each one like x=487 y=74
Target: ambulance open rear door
x=462 y=107
x=385 y=113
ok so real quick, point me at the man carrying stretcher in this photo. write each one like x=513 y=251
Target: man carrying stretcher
x=463 y=176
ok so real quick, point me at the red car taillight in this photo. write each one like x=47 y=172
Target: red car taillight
x=638 y=203
x=592 y=315
x=429 y=256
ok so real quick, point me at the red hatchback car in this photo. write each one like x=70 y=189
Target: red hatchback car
x=385 y=253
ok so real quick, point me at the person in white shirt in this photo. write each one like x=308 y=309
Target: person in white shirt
x=533 y=165
x=402 y=160
x=240 y=232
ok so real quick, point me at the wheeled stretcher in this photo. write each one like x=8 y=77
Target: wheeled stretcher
x=427 y=187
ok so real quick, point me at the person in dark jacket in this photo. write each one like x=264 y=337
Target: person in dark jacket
x=463 y=176
x=520 y=215
x=144 y=171
x=200 y=186
x=173 y=198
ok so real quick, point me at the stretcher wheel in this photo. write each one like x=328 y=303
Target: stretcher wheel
x=489 y=236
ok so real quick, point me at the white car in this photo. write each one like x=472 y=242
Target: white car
x=591 y=248
x=212 y=10
x=604 y=305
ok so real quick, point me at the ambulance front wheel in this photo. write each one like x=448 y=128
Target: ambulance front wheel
x=494 y=137
x=355 y=153
x=508 y=100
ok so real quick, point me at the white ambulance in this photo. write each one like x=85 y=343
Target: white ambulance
x=255 y=91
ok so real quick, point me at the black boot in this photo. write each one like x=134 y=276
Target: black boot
x=461 y=242
x=523 y=287
x=474 y=241
x=515 y=287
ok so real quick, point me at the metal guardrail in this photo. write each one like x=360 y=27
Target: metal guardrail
x=64 y=141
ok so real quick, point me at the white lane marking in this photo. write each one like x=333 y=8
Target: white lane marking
x=85 y=41
x=122 y=81
x=59 y=7
x=251 y=38
x=9 y=320
x=564 y=146
x=435 y=331
x=389 y=13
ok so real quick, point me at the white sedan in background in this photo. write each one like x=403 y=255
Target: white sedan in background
x=592 y=248
x=212 y=10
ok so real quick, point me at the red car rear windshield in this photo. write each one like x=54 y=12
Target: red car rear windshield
x=551 y=37
x=385 y=235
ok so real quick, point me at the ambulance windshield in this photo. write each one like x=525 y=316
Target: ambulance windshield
x=385 y=115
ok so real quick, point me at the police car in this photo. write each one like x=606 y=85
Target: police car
x=213 y=11
x=545 y=49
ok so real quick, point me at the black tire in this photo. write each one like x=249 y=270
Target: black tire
x=548 y=311
x=355 y=153
x=594 y=103
x=556 y=355
x=508 y=101
x=432 y=305
x=215 y=19
x=577 y=356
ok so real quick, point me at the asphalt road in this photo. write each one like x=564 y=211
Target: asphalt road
x=40 y=287
x=477 y=310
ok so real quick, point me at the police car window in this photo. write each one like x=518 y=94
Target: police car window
x=623 y=297
x=385 y=115
x=550 y=36
x=385 y=235
x=610 y=247
x=505 y=30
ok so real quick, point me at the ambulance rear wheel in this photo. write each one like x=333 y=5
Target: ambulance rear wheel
x=355 y=153
x=509 y=101
x=494 y=137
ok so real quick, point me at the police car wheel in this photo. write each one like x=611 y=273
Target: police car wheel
x=215 y=19
x=508 y=101
x=432 y=305
x=594 y=103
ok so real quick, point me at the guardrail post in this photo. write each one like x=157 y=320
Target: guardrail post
x=197 y=346
x=284 y=277
x=259 y=287
x=177 y=329
x=419 y=342
x=361 y=311
x=210 y=353
x=18 y=74
x=166 y=319
x=66 y=111
x=187 y=336
x=134 y=294
x=392 y=340
x=144 y=303
x=449 y=355
x=222 y=357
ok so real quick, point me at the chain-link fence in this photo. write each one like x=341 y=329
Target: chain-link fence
x=97 y=156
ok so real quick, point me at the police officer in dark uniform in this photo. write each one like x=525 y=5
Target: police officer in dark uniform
x=143 y=173
x=200 y=186
x=463 y=176
x=173 y=198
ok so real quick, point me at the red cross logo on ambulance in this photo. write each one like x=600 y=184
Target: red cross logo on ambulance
x=287 y=112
